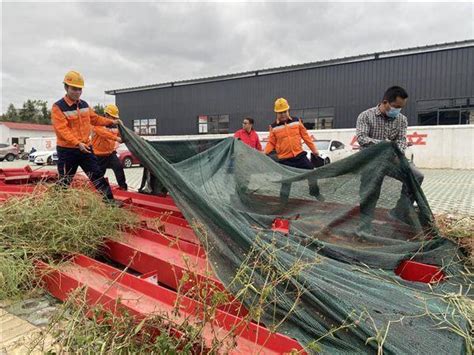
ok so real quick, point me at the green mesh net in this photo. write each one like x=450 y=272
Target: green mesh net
x=329 y=282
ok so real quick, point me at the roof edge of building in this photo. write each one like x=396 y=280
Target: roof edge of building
x=323 y=63
x=27 y=126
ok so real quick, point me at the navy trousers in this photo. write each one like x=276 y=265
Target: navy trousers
x=70 y=159
x=301 y=161
x=112 y=162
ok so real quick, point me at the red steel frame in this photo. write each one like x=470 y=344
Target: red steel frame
x=168 y=256
x=145 y=252
x=118 y=291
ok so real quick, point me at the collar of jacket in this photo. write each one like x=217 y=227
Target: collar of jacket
x=70 y=102
x=275 y=124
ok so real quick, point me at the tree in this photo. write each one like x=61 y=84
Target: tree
x=99 y=109
x=45 y=113
x=32 y=111
x=11 y=115
x=29 y=112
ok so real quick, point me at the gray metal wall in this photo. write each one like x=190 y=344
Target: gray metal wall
x=350 y=88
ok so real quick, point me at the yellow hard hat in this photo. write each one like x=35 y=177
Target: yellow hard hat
x=74 y=78
x=112 y=110
x=281 y=105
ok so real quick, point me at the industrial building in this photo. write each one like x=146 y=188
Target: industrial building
x=326 y=94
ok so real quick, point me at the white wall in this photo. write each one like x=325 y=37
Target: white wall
x=30 y=133
x=6 y=134
x=433 y=146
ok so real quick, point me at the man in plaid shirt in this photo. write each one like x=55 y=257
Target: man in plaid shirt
x=384 y=122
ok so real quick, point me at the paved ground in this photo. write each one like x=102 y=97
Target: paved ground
x=21 y=324
x=447 y=191
x=450 y=191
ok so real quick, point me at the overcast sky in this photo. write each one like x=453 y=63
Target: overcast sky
x=117 y=45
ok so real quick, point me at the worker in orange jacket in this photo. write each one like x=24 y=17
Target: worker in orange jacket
x=104 y=143
x=285 y=138
x=72 y=121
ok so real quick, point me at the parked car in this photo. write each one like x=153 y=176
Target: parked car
x=41 y=157
x=8 y=152
x=331 y=150
x=127 y=158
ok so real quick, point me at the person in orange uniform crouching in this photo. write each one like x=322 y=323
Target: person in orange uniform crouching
x=72 y=121
x=285 y=138
x=104 y=141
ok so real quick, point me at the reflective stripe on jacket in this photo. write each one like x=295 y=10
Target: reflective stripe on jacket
x=286 y=138
x=73 y=121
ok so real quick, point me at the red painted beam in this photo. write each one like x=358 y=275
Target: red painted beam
x=15 y=171
x=174 y=226
x=147 y=201
x=118 y=291
x=23 y=189
x=170 y=241
x=170 y=265
x=30 y=178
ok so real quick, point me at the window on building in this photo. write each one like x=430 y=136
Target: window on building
x=449 y=117
x=152 y=126
x=145 y=127
x=202 y=124
x=316 y=118
x=428 y=118
x=467 y=117
x=213 y=124
x=445 y=111
x=136 y=126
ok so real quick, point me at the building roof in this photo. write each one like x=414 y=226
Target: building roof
x=337 y=61
x=27 y=126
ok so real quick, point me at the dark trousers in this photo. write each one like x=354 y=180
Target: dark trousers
x=112 y=162
x=69 y=159
x=370 y=188
x=301 y=161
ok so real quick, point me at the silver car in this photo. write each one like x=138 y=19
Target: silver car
x=8 y=152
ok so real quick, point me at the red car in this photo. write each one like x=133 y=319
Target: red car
x=127 y=158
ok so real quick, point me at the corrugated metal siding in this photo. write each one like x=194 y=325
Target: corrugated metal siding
x=350 y=88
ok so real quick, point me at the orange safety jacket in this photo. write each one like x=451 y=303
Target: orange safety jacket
x=286 y=138
x=104 y=140
x=73 y=121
